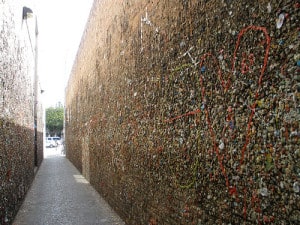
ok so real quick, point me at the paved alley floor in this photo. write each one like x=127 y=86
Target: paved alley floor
x=60 y=195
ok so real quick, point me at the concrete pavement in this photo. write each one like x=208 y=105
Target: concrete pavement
x=60 y=195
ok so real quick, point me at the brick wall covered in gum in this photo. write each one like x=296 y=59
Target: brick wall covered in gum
x=187 y=112
x=16 y=111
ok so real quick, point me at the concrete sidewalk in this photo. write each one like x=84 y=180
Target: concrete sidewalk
x=60 y=195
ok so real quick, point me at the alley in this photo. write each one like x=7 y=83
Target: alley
x=61 y=195
x=177 y=112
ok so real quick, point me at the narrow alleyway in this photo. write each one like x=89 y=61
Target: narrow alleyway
x=61 y=195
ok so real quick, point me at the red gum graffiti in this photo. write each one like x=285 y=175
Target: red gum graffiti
x=233 y=190
x=262 y=71
x=183 y=115
x=225 y=85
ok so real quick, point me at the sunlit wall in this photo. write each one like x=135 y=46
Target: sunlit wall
x=187 y=112
x=20 y=151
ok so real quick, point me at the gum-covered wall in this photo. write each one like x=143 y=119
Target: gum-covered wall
x=187 y=112
x=17 y=160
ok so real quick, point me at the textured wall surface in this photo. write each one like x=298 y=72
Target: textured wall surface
x=16 y=108
x=187 y=112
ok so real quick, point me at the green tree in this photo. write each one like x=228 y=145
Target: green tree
x=55 y=119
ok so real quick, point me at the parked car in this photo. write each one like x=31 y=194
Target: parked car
x=52 y=142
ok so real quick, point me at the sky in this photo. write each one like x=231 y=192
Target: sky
x=61 y=24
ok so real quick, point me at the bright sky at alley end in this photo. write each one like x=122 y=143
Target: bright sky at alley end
x=61 y=24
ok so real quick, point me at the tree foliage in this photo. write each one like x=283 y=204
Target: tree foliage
x=55 y=119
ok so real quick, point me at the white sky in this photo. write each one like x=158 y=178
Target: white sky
x=61 y=24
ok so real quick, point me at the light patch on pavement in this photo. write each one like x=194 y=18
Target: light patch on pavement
x=80 y=179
